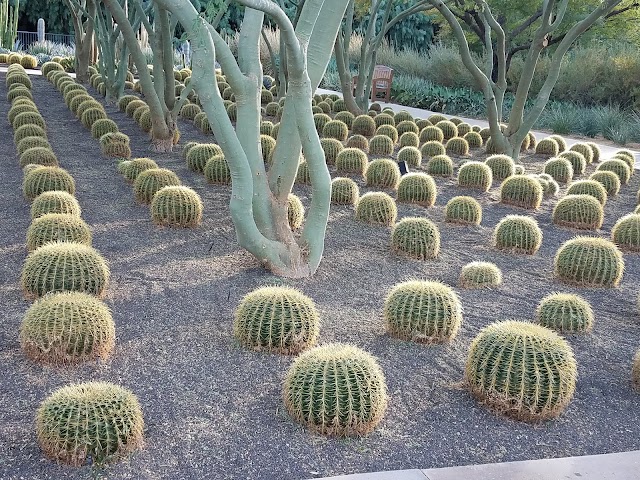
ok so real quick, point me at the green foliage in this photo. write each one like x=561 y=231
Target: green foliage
x=416 y=237
x=199 y=155
x=351 y=160
x=335 y=129
x=336 y=389
x=521 y=191
x=134 y=167
x=64 y=267
x=103 y=126
x=432 y=148
x=548 y=147
x=411 y=156
x=589 y=262
x=333 y=147
x=619 y=167
x=295 y=212
x=432 y=133
x=521 y=370
x=89 y=423
x=57 y=227
x=583 y=212
x=589 y=187
x=278 y=320
x=344 y=191
x=69 y=327
x=38 y=156
x=626 y=233
x=518 y=234
x=457 y=146
x=383 y=173
x=480 y=275
x=565 y=312
x=44 y=179
x=577 y=160
x=55 y=202
x=381 y=145
x=176 y=206
x=376 y=208
x=149 y=181
x=475 y=175
x=418 y=188
x=216 y=170
x=440 y=165
x=463 y=210
x=501 y=166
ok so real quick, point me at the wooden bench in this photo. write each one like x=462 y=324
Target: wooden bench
x=380 y=83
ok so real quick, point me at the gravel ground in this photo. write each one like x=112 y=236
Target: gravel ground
x=214 y=410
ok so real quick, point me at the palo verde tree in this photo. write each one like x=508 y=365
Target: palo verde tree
x=259 y=198
x=550 y=21
x=381 y=17
x=83 y=14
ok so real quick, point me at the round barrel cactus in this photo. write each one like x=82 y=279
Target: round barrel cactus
x=356 y=141
x=502 y=166
x=448 y=128
x=32 y=142
x=480 y=275
x=518 y=234
x=55 y=202
x=102 y=127
x=589 y=187
x=609 y=180
x=149 y=181
x=521 y=370
x=432 y=149
x=38 y=156
x=418 y=188
x=411 y=156
x=124 y=101
x=28 y=118
x=388 y=131
x=407 y=126
x=626 y=233
x=583 y=212
x=64 y=267
x=423 y=312
x=565 y=312
x=548 y=147
x=68 y=327
x=384 y=119
x=216 y=170
x=344 y=191
x=176 y=206
x=589 y=262
x=577 y=160
x=382 y=173
x=381 y=145
x=585 y=150
x=457 y=146
x=363 y=125
x=333 y=147
x=131 y=169
x=90 y=422
x=377 y=208
x=416 y=237
x=57 y=227
x=336 y=389
x=619 y=167
x=560 y=169
x=351 y=160
x=521 y=191
x=277 y=319
x=474 y=139
x=475 y=175
x=29 y=130
x=16 y=110
x=562 y=144
x=463 y=210
x=431 y=133
x=440 y=165
x=336 y=129
x=44 y=179
x=295 y=212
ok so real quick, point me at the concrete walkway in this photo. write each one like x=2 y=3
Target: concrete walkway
x=613 y=466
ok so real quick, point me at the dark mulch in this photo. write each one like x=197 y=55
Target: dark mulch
x=214 y=410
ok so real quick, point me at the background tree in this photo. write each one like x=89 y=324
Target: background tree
x=82 y=14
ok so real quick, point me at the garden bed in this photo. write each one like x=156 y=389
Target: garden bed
x=213 y=409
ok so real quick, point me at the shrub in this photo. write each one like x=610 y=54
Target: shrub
x=376 y=208
x=521 y=370
x=55 y=202
x=344 y=191
x=416 y=237
x=102 y=127
x=502 y=166
x=583 y=212
x=418 y=188
x=565 y=312
x=332 y=148
x=336 y=389
x=457 y=146
x=89 y=422
x=585 y=150
x=149 y=181
x=64 y=267
x=463 y=210
x=216 y=170
x=199 y=154
x=480 y=275
x=423 y=311
x=475 y=175
x=589 y=187
x=68 y=327
x=351 y=160
x=295 y=212
x=589 y=262
x=619 y=167
x=474 y=140
x=521 y=191
x=136 y=166
x=28 y=131
x=518 y=234
x=626 y=233
x=176 y=206
x=381 y=145
x=276 y=319
x=431 y=134
x=59 y=227
x=548 y=147
x=383 y=173
x=335 y=129
x=44 y=179
x=449 y=129
x=38 y=156
x=577 y=160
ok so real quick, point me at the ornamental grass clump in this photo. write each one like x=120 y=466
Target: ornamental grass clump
x=277 y=320
x=64 y=267
x=176 y=206
x=57 y=227
x=589 y=262
x=518 y=234
x=476 y=175
x=148 y=182
x=626 y=233
x=376 y=208
x=423 y=312
x=463 y=210
x=565 y=313
x=344 y=191
x=521 y=191
x=521 y=370
x=92 y=422
x=418 y=188
x=382 y=173
x=480 y=275
x=67 y=328
x=416 y=237
x=583 y=212
x=336 y=389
